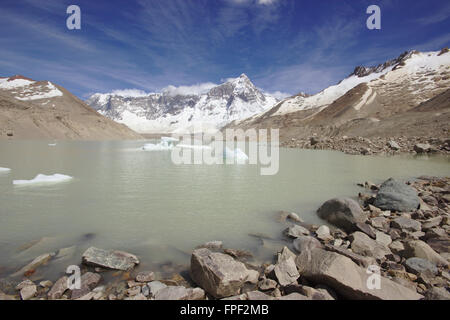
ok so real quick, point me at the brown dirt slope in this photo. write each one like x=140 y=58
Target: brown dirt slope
x=65 y=117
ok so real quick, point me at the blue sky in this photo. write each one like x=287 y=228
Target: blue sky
x=284 y=46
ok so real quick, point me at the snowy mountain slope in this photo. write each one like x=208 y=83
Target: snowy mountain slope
x=42 y=110
x=376 y=95
x=171 y=111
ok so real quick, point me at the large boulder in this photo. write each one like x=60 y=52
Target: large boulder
x=406 y=224
x=348 y=279
x=114 y=259
x=396 y=196
x=219 y=274
x=343 y=213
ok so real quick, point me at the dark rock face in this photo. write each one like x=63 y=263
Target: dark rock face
x=343 y=213
x=397 y=196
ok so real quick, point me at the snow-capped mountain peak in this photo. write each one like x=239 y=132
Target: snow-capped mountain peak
x=180 y=109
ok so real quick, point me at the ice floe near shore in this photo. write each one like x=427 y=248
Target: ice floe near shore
x=44 y=179
x=2 y=170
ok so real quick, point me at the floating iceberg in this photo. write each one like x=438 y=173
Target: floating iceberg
x=237 y=155
x=44 y=179
x=162 y=146
x=4 y=169
x=169 y=139
x=52 y=144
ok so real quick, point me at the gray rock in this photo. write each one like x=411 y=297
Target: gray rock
x=346 y=278
x=397 y=247
x=323 y=233
x=28 y=292
x=257 y=295
x=419 y=249
x=286 y=272
x=406 y=224
x=383 y=238
x=342 y=212
x=180 y=293
x=437 y=293
x=155 y=286
x=362 y=244
x=418 y=266
x=306 y=243
x=58 y=288
x=89 y=281
x=380 y=223
x=317 y=294
x=267 y=284
x=296 y=231
x=356 y=258
x=25 y=283
x=367 y=229
x=396 y=196
x=219 y=274
x=393 y=145
x=115 y=259
x=422 y=148
x=145 y=276
x=145 y=291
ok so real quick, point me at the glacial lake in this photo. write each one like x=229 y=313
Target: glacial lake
x=124 y=198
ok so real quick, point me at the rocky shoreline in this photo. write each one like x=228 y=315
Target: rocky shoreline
x=393 y=243
x=373 y=146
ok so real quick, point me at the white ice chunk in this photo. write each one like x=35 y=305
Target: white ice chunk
x=4 y=169
x=52 y=144
x=162 y=146
x=44 y=179
x=169 y=139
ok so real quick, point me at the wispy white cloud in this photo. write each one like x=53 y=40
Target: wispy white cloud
x=189 y=90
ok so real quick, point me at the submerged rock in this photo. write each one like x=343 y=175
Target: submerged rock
x=42 y=259
x=117 y=260
x=396 y=196
x=219 y=274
